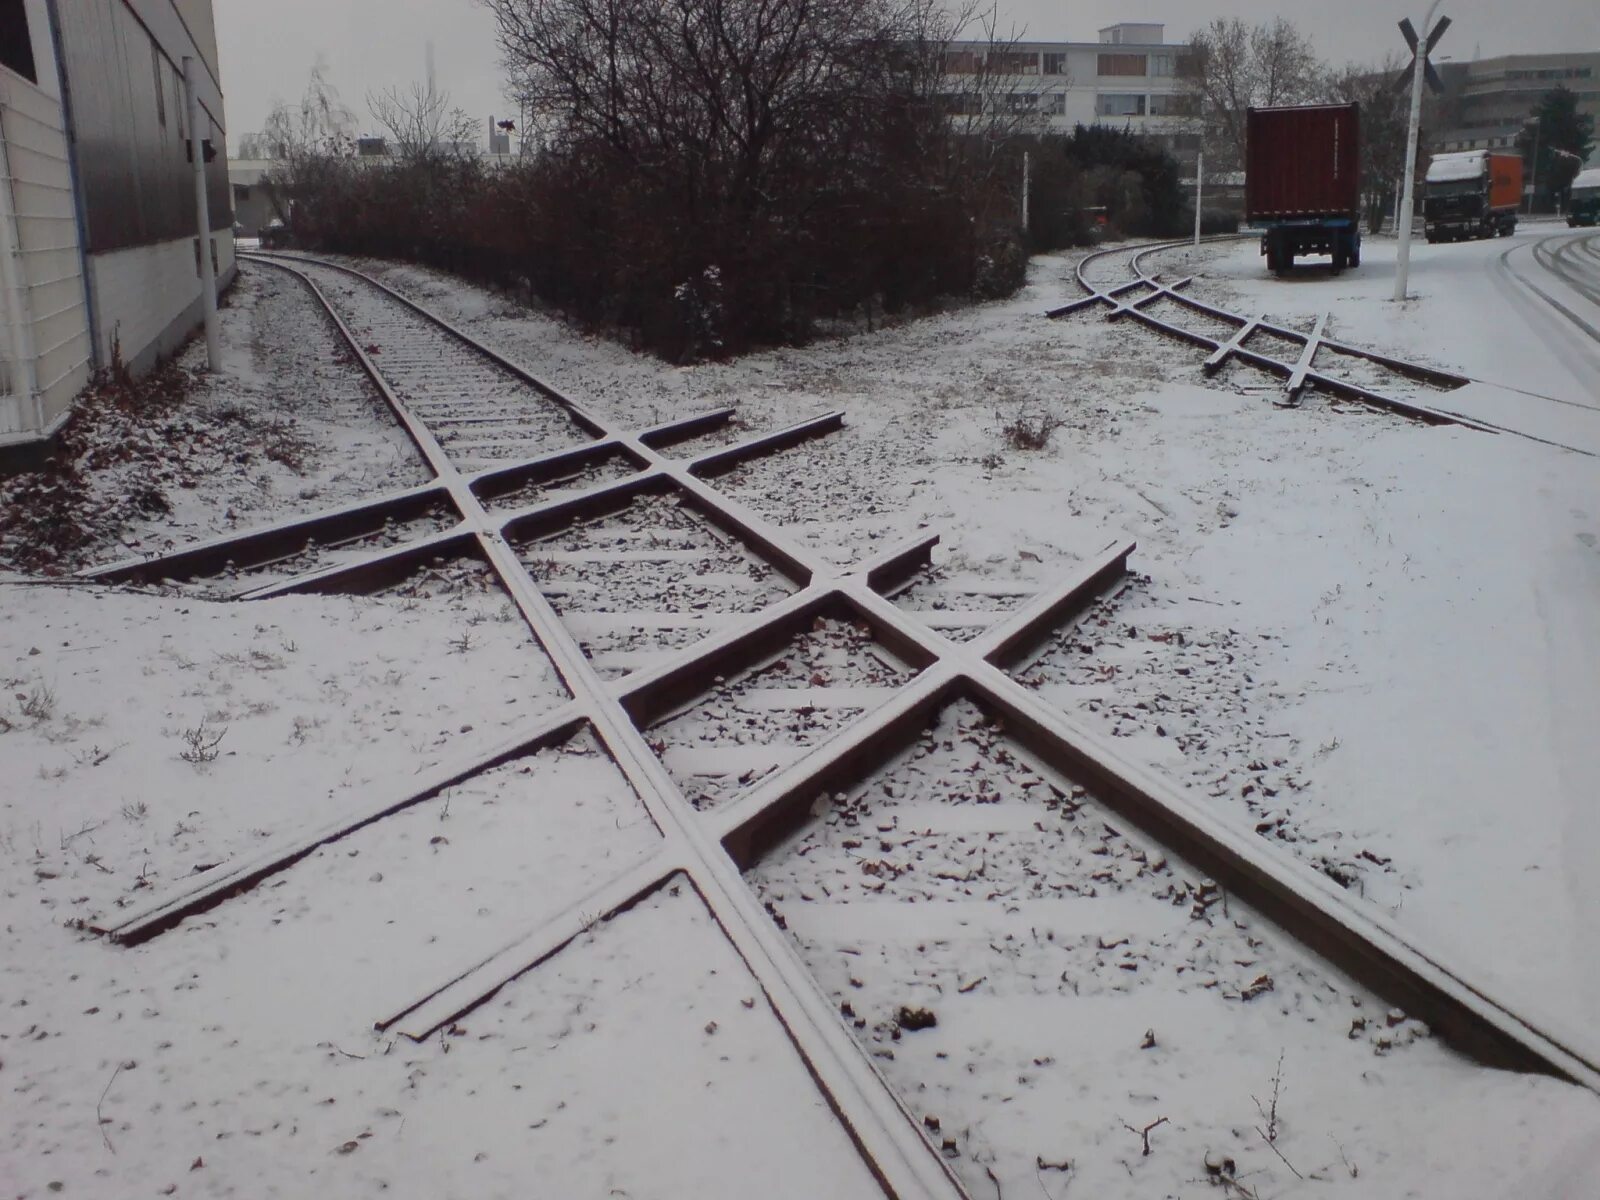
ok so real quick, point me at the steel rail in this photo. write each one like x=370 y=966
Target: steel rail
x=1369 y=950
x=883 y=1130
x=1114 y=299
x=710 y=849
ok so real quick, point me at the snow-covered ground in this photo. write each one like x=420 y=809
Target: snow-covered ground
x=1374 y=642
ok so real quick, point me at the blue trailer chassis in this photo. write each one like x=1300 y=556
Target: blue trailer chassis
x=1337 y=237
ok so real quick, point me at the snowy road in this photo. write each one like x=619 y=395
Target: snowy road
x=1561 y=272
x=1519 y=316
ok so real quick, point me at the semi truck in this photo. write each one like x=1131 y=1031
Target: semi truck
x=1471 y=194
x=1302 y=183
x=1583 y=203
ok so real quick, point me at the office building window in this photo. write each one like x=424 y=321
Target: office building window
x=1122 y=64
x=1173 y=105
x=1055 y=64
x=1119 y=104
x=1014 y=63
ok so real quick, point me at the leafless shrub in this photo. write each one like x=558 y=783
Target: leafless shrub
x=1269 y=1115
x=38 y=703
x=93 y=756
x=200 y=744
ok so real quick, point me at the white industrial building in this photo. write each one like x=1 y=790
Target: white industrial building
x=1129 y=79
x=98 y=228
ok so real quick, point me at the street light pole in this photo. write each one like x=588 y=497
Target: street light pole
x=1533 y=182
x=1418 y=69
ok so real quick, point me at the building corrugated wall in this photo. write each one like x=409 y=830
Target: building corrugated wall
x=126 y=93
x=100 y=195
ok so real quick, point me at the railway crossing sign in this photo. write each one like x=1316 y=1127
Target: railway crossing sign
x=1429 y=75
x=1413 y=78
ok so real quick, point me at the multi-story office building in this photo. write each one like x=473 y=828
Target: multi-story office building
x=1129 y=79
x=1487 y=102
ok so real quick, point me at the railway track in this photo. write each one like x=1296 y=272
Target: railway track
x=1307 y=360
x=656 y=596
x=1347 y=371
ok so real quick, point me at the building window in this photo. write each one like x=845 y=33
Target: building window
x=962 y=104
x=161 y=92
x=1014 y=63
x=960 y=62
x=1122 y=64
x=1021 y=102
x=16 y=43
x=1164 y=65
x=1055 y=64
x=1170 y=104
x=1119 y=104
x=1054 y=104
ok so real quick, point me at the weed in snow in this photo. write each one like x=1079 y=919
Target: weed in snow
x=201 y=744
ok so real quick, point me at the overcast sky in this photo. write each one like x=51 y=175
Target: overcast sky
x=269 y=46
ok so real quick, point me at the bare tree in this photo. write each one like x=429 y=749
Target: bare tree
x=303 y=140
x=1384 y=113
x=421 y=124
x=771 y=157
x=1232 y=67
x=321 y=125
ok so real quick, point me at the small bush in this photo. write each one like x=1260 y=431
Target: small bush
x=1030 y=431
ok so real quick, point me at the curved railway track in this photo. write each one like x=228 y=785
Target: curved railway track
x=567 y=508
x=1321 y=363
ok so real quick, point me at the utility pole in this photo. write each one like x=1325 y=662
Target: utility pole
x=1025 y=173
x=208 y=274
x=1533 y=182
x=1199 y=184
x=1415 y=73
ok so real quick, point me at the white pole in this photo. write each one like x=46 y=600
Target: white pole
x=1408 y=200
x=1199 y=184
x=208 y=275
x=1024 y=192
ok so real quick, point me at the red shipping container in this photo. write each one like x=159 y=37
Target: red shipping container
x=1303 y=162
